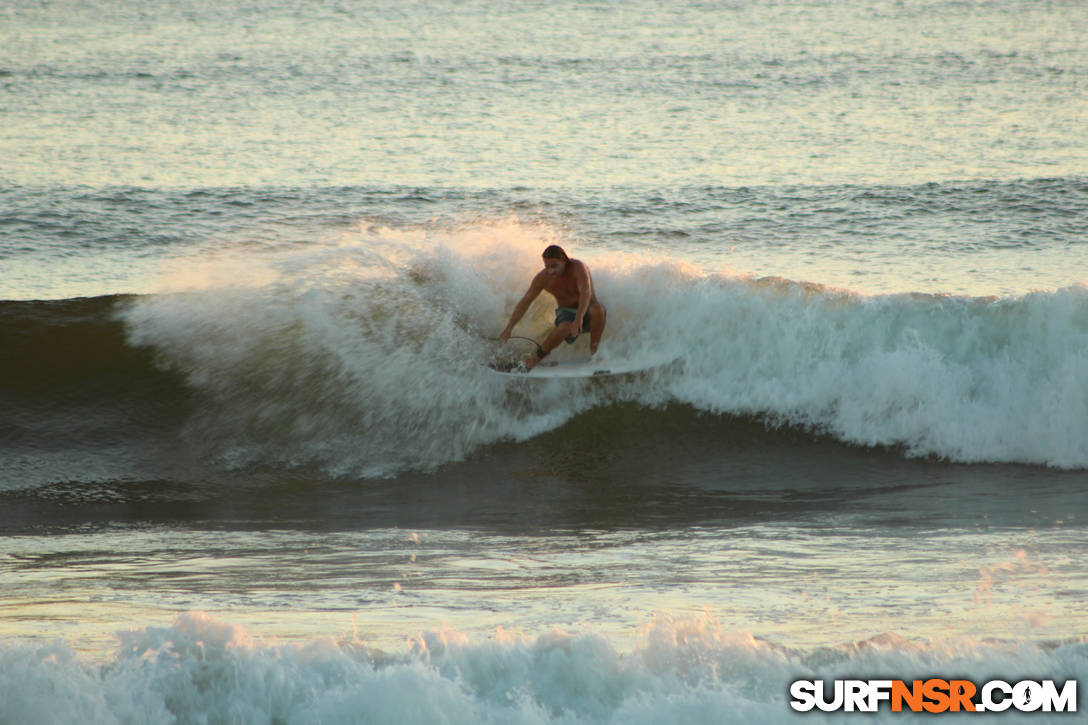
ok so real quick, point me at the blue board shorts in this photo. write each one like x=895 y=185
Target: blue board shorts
x=567 y=314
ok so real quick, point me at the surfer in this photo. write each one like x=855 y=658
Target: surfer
x=578 y=311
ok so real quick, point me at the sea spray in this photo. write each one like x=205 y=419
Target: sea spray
x=367 y=357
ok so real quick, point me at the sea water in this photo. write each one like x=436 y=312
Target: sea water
x=253 y=259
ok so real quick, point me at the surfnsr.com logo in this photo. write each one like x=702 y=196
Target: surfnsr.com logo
x=934 y=695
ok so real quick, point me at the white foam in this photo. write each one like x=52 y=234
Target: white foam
x=204 y=670
x=367 y=356
x=966 y=379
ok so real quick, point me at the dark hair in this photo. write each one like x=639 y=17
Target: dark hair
x=555 y=252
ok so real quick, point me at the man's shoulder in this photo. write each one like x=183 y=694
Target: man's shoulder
x=540 y=279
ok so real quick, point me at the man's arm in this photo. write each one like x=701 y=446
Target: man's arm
x=535 y=288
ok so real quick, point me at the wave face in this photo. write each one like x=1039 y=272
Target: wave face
x=369 y=357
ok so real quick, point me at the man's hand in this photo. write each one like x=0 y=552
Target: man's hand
x=504 y=337
x=576 y=327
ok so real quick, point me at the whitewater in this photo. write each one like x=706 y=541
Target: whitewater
x=200 y=669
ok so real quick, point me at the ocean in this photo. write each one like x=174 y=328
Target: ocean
x=254 y=259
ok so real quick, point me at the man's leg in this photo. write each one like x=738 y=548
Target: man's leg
x=554 y=340
x=597 y=316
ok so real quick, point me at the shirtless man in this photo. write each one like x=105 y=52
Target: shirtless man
x=578 y=310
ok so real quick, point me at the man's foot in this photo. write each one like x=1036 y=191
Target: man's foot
x=530 y=362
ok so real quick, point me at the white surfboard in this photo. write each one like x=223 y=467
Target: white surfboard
x=584 y=368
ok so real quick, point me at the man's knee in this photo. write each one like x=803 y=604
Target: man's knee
x=597 y=314
x=562 y=330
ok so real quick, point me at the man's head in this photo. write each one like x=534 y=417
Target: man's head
x=555 y=260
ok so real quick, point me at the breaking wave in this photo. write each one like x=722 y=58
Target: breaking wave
x=368 y=357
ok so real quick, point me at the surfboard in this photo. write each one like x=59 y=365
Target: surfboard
x=580 y=368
